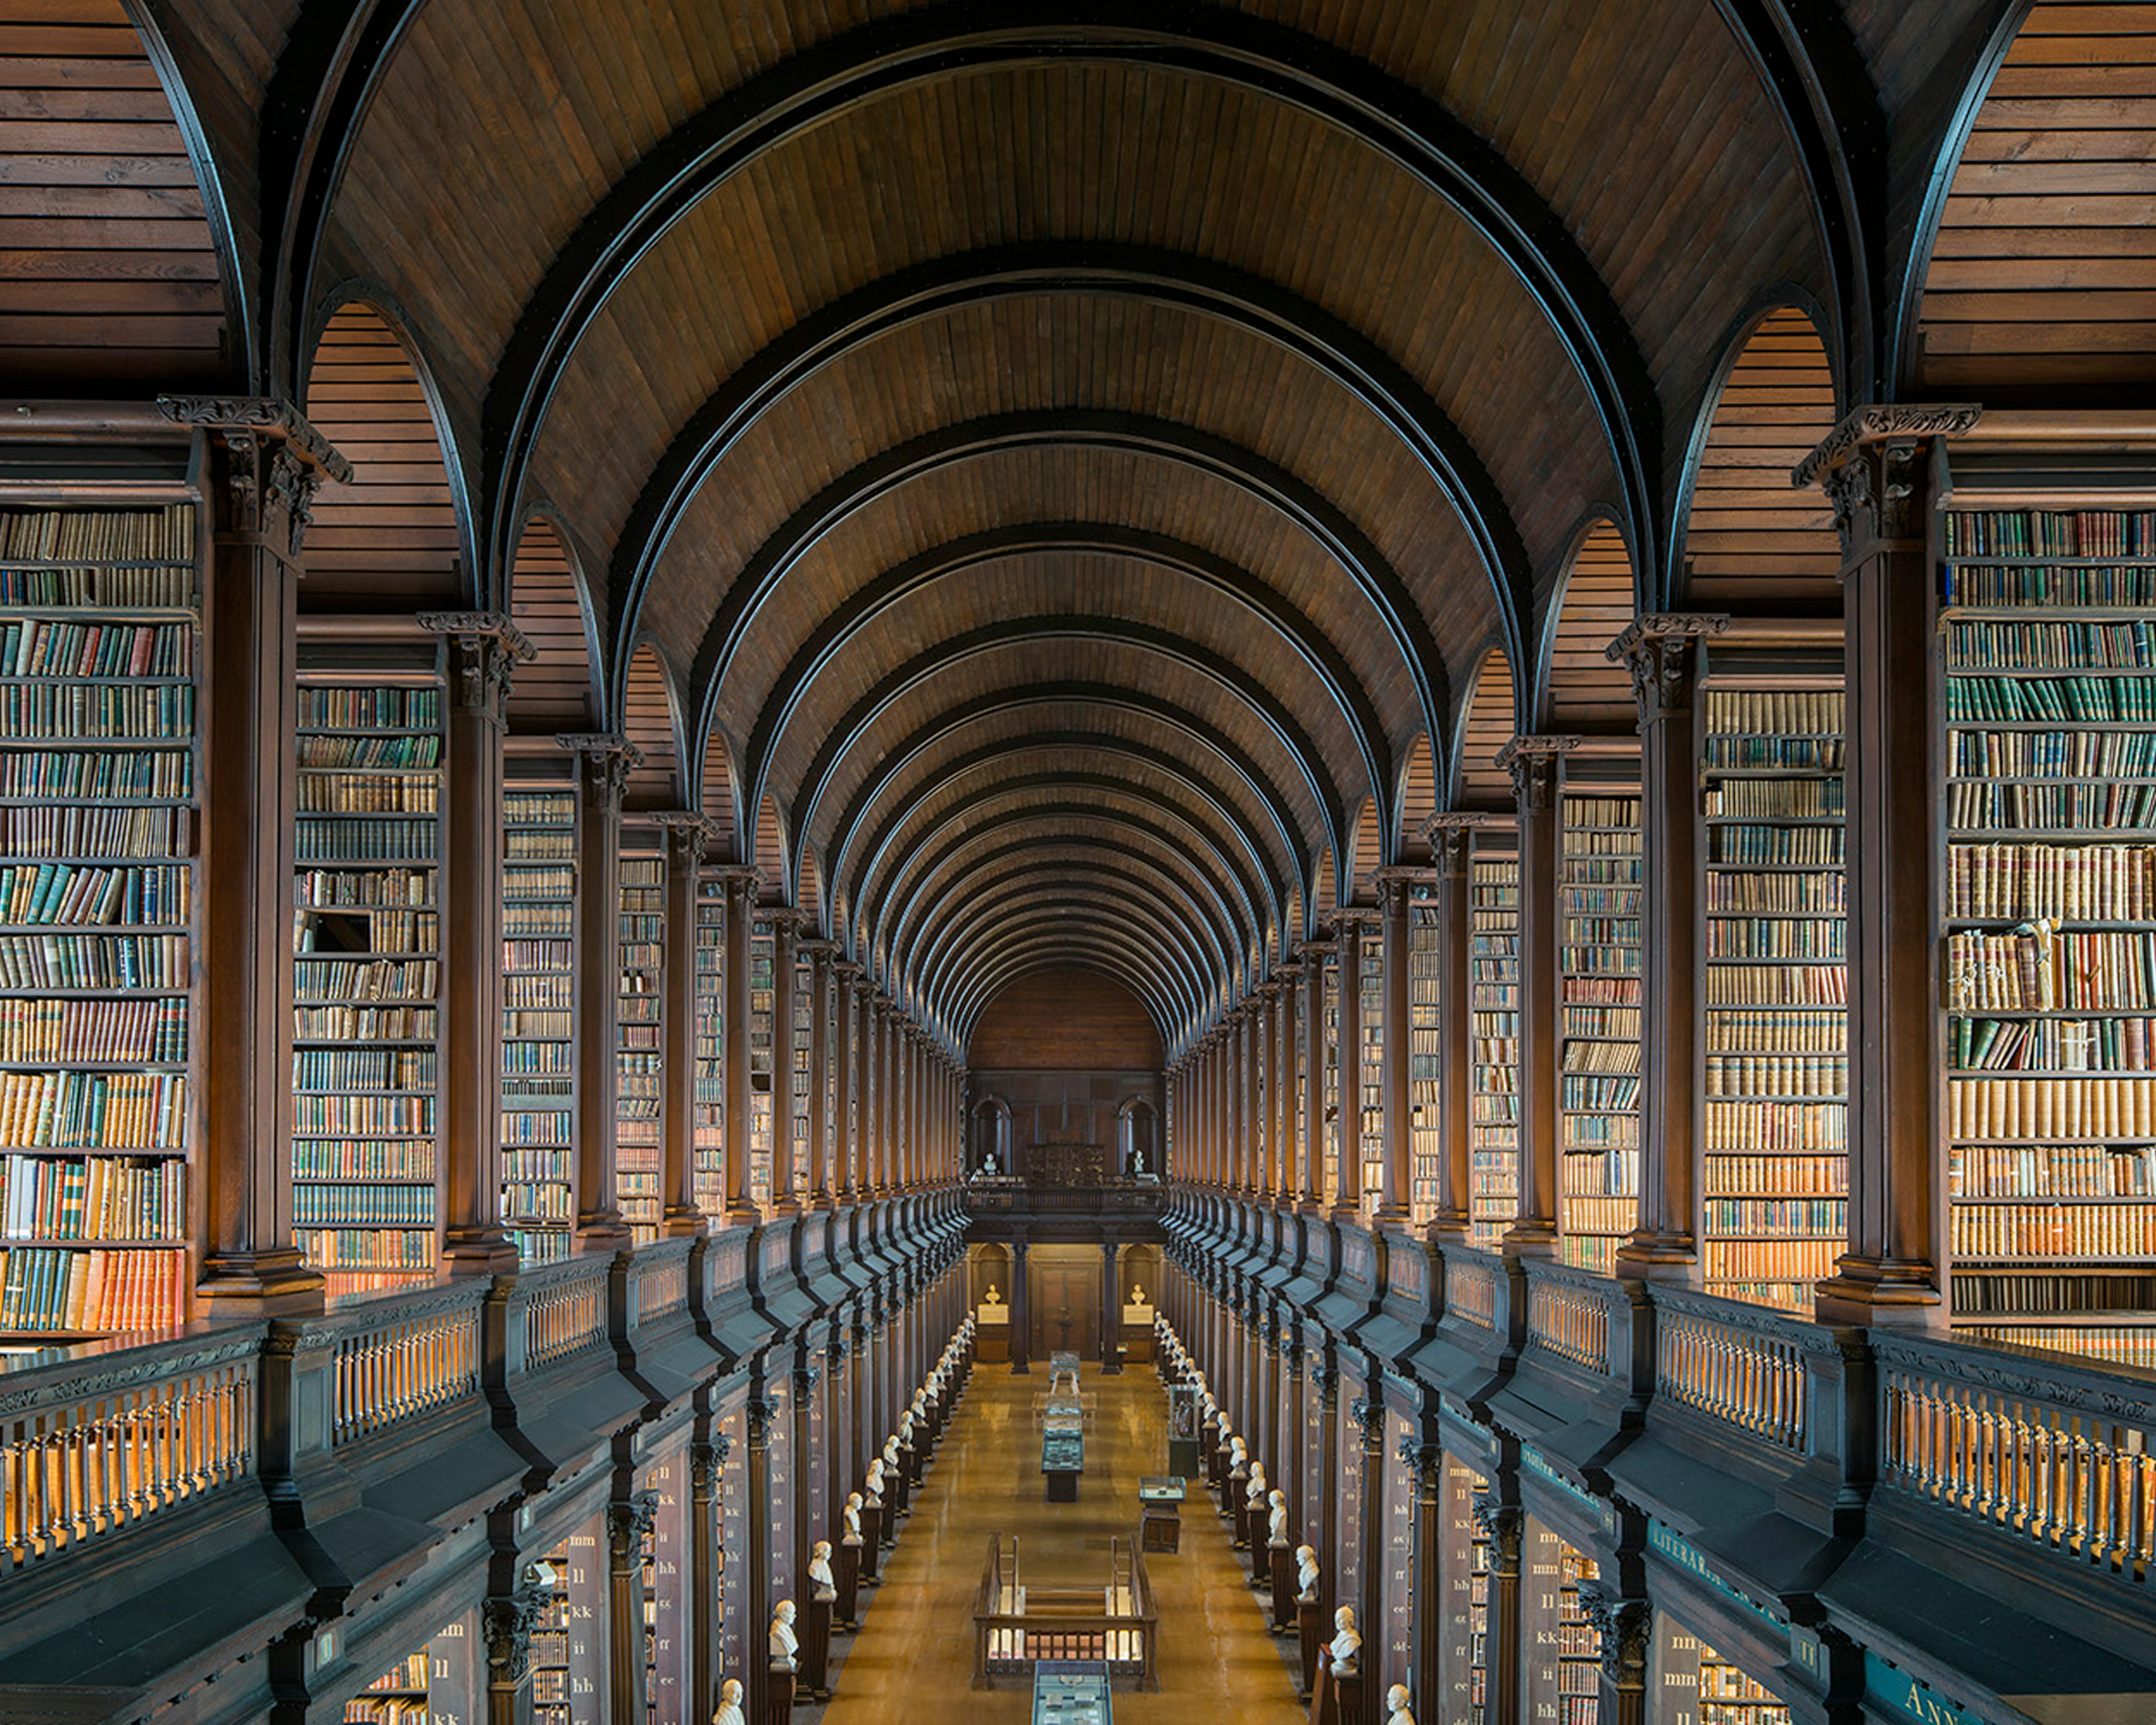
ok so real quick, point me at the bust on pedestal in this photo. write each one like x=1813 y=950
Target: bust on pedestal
x=849 y=1563
x=816 y=1643
x=730 y=1704
x=1251 y=1507
x=784 y=1645
x=1337 y=1699
x=1278 y=1563
x=1396 y=1705
x=1309 y=1615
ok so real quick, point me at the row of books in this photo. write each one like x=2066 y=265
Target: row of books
x=47 y=648
x=335 y=839
x=360 y=977
x=93 y=1198
x=551 y=987
x=361 y=750
x=536 y=1127
x=2049 y=533
x=538 y=1202
x=145 y=1031
x=121 y=830
x=96 y=712
x=365 y=889
x=84 y=896
x=2050 y=1107
x=2050 y=754
x=341 y=793
x=2053 y=645
x=362 y=1068
x=524 y=1024
x=1755 y=1125
x=1778 y=1218
x=59 y=1289
x=1760 y=1261
x=370 y=1158
x=93 y=1111
x=1808 y=938
x=1792 y=984
x=1772 y=753
x=1822 y=893
x=1776 y=1075
x=389 y=1116
x=553 y=884
x=2007 y=880
x=2049 y=808
x=1777 y=799
x=344 y=706
x=1754 y=846
x=1772 y=716
x=552 y=844
x=2034 y=969
x=2058 y=1291
x=2053 y=1230
x=2050 y=1170
x=522 y=1163
x=2104 y=1045
x=363 y=1024
x=1600 y=1174
x=522 y=919
x=372 y=1203
x=2095 y=699
x=1816 y=1029
x=368 y=1248
x=95 y=962
x=99 y=536
x=2012 y=586
x=1584 y=1055
x=1789 y=1175
x=164 y=774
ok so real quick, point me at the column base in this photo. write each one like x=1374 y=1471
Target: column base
x=1891 y=1293
x=1530 y=1237
x=485 y=1249
x=683 y=1222
x=602 y=1231
x=275 y=1282
x=1650 y=1254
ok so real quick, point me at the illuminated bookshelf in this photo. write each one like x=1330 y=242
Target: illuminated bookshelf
x=1602 y=962
x=1425 y=1054
x=710 y=1129
x=367 y=967
x=538 y=1001
x=1493 y=1173
x=641 y=1052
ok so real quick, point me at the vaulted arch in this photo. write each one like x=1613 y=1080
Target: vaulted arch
x=650 y=723
x=1580 y=690
x=556 y=689
x=1488 y=720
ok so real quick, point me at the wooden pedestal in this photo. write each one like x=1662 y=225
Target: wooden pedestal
x=1062 y=1485
x=897 y=1495
x=1160 y=1528
x=780 y=1697
x=994 y=1344
x=816 y=1649
x=1335 y=1701
x=846 y=1570
x=872 y=1539
x=1310 y=1625
x=909 y=1465
x=1283 y=1585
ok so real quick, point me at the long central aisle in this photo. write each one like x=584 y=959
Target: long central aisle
x=915 y=1650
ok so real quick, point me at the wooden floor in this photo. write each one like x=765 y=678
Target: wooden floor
x=915 y=1649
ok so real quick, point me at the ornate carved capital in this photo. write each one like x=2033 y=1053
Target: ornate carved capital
x=1368 y=1413
x=1662 y=649
x=763 y=1412
x=837 y=1351
x=805 y=1379
x=1324 y=1379
x=1868 y=467
x=1451 y=836
x=606 y=759
x=1625 y=1627
x=1500 y=1523
x=703 y=1464
x=1535 y=763
x=1425 y=1465
x=1396 y=887
x=485 y=648
x=508 y=1625
x=689 y=836
x=627 y=1523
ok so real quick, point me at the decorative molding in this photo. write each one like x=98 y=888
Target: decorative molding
x=703 y=1464
x=763 y=1413
x=1500 y=1523
x=1368 y=1413
x=627 y=1523
x=607 y=759
x=1883 y=420
x=1662 y=648
x=689 y=836
x=147 y=1370
x=485 y=648
x=1624 y=1626
x=268 y=414
x=806 y=1377
x=1426 y=1464
x=1533 y=763
x=508 y=1625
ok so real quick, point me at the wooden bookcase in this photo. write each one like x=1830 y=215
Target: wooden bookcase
x=761 y=995
x=1370 y=1065
x=1599 y=886
x=2046 y=685
x=367 y=966
x=538 y=1002
x=1689 y=1683
x=1774 y=1033
x=100 y=643
x=710 y=1129
x=1426 y=1053
x=639 y=1031
x=1494 y=991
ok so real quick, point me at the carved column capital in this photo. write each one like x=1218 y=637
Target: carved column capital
x=1368 y=1413
x=688 y=837
x=806 y=1378
x=1451 y=836
x=606 y=760
x=1626 y=1628
x=508 y=1625
x=485 y=648
x=705 y=1461
x=1425 y=1465
x=1500 y=1524
x=1396 y=888
x=1662 y=648
x=763 y=1413
x=1324 y=1379
x=627 y=1523
x=274 y=461
x=1866 y=466
x=1535 y=763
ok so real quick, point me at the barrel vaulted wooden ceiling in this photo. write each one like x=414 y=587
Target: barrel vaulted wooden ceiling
x=1076 y=483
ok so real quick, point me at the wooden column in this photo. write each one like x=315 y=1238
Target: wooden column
x=1452 y=842
x=1250 y=1122
x=761 y=1410
x=508 y=1621
x=1283 y=1083
x=1626 y=1627
x=686 y=836
x=706 y=1461
x=1876 y=469
x=1502 y=1657
x=1537 y=764
x=1324 y=1379
x=627 y=1522
x=1347 y=1062
x=876 y=1048
x=1426 y=1464
x=1313 y=1067
x=602 y=768
x=783 y=1149
x=1111 y=1313
x=741 y=885
x=1021 y=1313
x=264 y=462
x=1663 y=652
x=845 y=1137
x=820 y=954
x=1395 y=1204
x=483 y=648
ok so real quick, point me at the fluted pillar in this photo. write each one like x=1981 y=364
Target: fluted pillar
x=1452 y=842
x=740 y=884
x=686 y=836
x=820 y=954
x=1537 y=764
x=603 y=763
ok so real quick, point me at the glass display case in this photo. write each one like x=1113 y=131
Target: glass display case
x=1071 y=1692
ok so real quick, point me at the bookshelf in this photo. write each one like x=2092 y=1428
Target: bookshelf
x=640 y=1051
x=1699 y=1686
x=1468 y=1678
x=805 y=1099
x=552 y=1686
x=101 y=635
x=1601 y=966
x=1774 y=1112
x=2047 y=686
x=1425 y=1054
x=1370 y=1066
x=366 y=968
x=709 y=1143
x=1494 y=992
x=538 y=1003
x=1580 y=1643
x=398 y=1697
x=1726 y=1696
x=1329 y=1044
x=760 y=1069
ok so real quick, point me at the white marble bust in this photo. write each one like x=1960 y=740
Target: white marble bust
x=992 y=1297
x=1306 y=1574
x=730 y=1704
x=1238 y=1457
x=1255 y=1492
x=890 y=1456
x=1137 y=1294
x=819 y=1571
x=1276 y=1523
x=873 y=1485
x=1396 y=1705
x=905 y=1430
x=784 y=1643
x=1346 y=1645
x=853 y=1514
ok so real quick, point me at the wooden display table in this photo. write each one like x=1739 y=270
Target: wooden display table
x=1160 y=1521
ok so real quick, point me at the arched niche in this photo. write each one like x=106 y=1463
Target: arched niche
x=1418 y=801
x=650 y=721
x=1581 y=688
x=1487 y=723
x=554 y=691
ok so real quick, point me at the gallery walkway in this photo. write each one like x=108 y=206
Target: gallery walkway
x=915 y=1650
